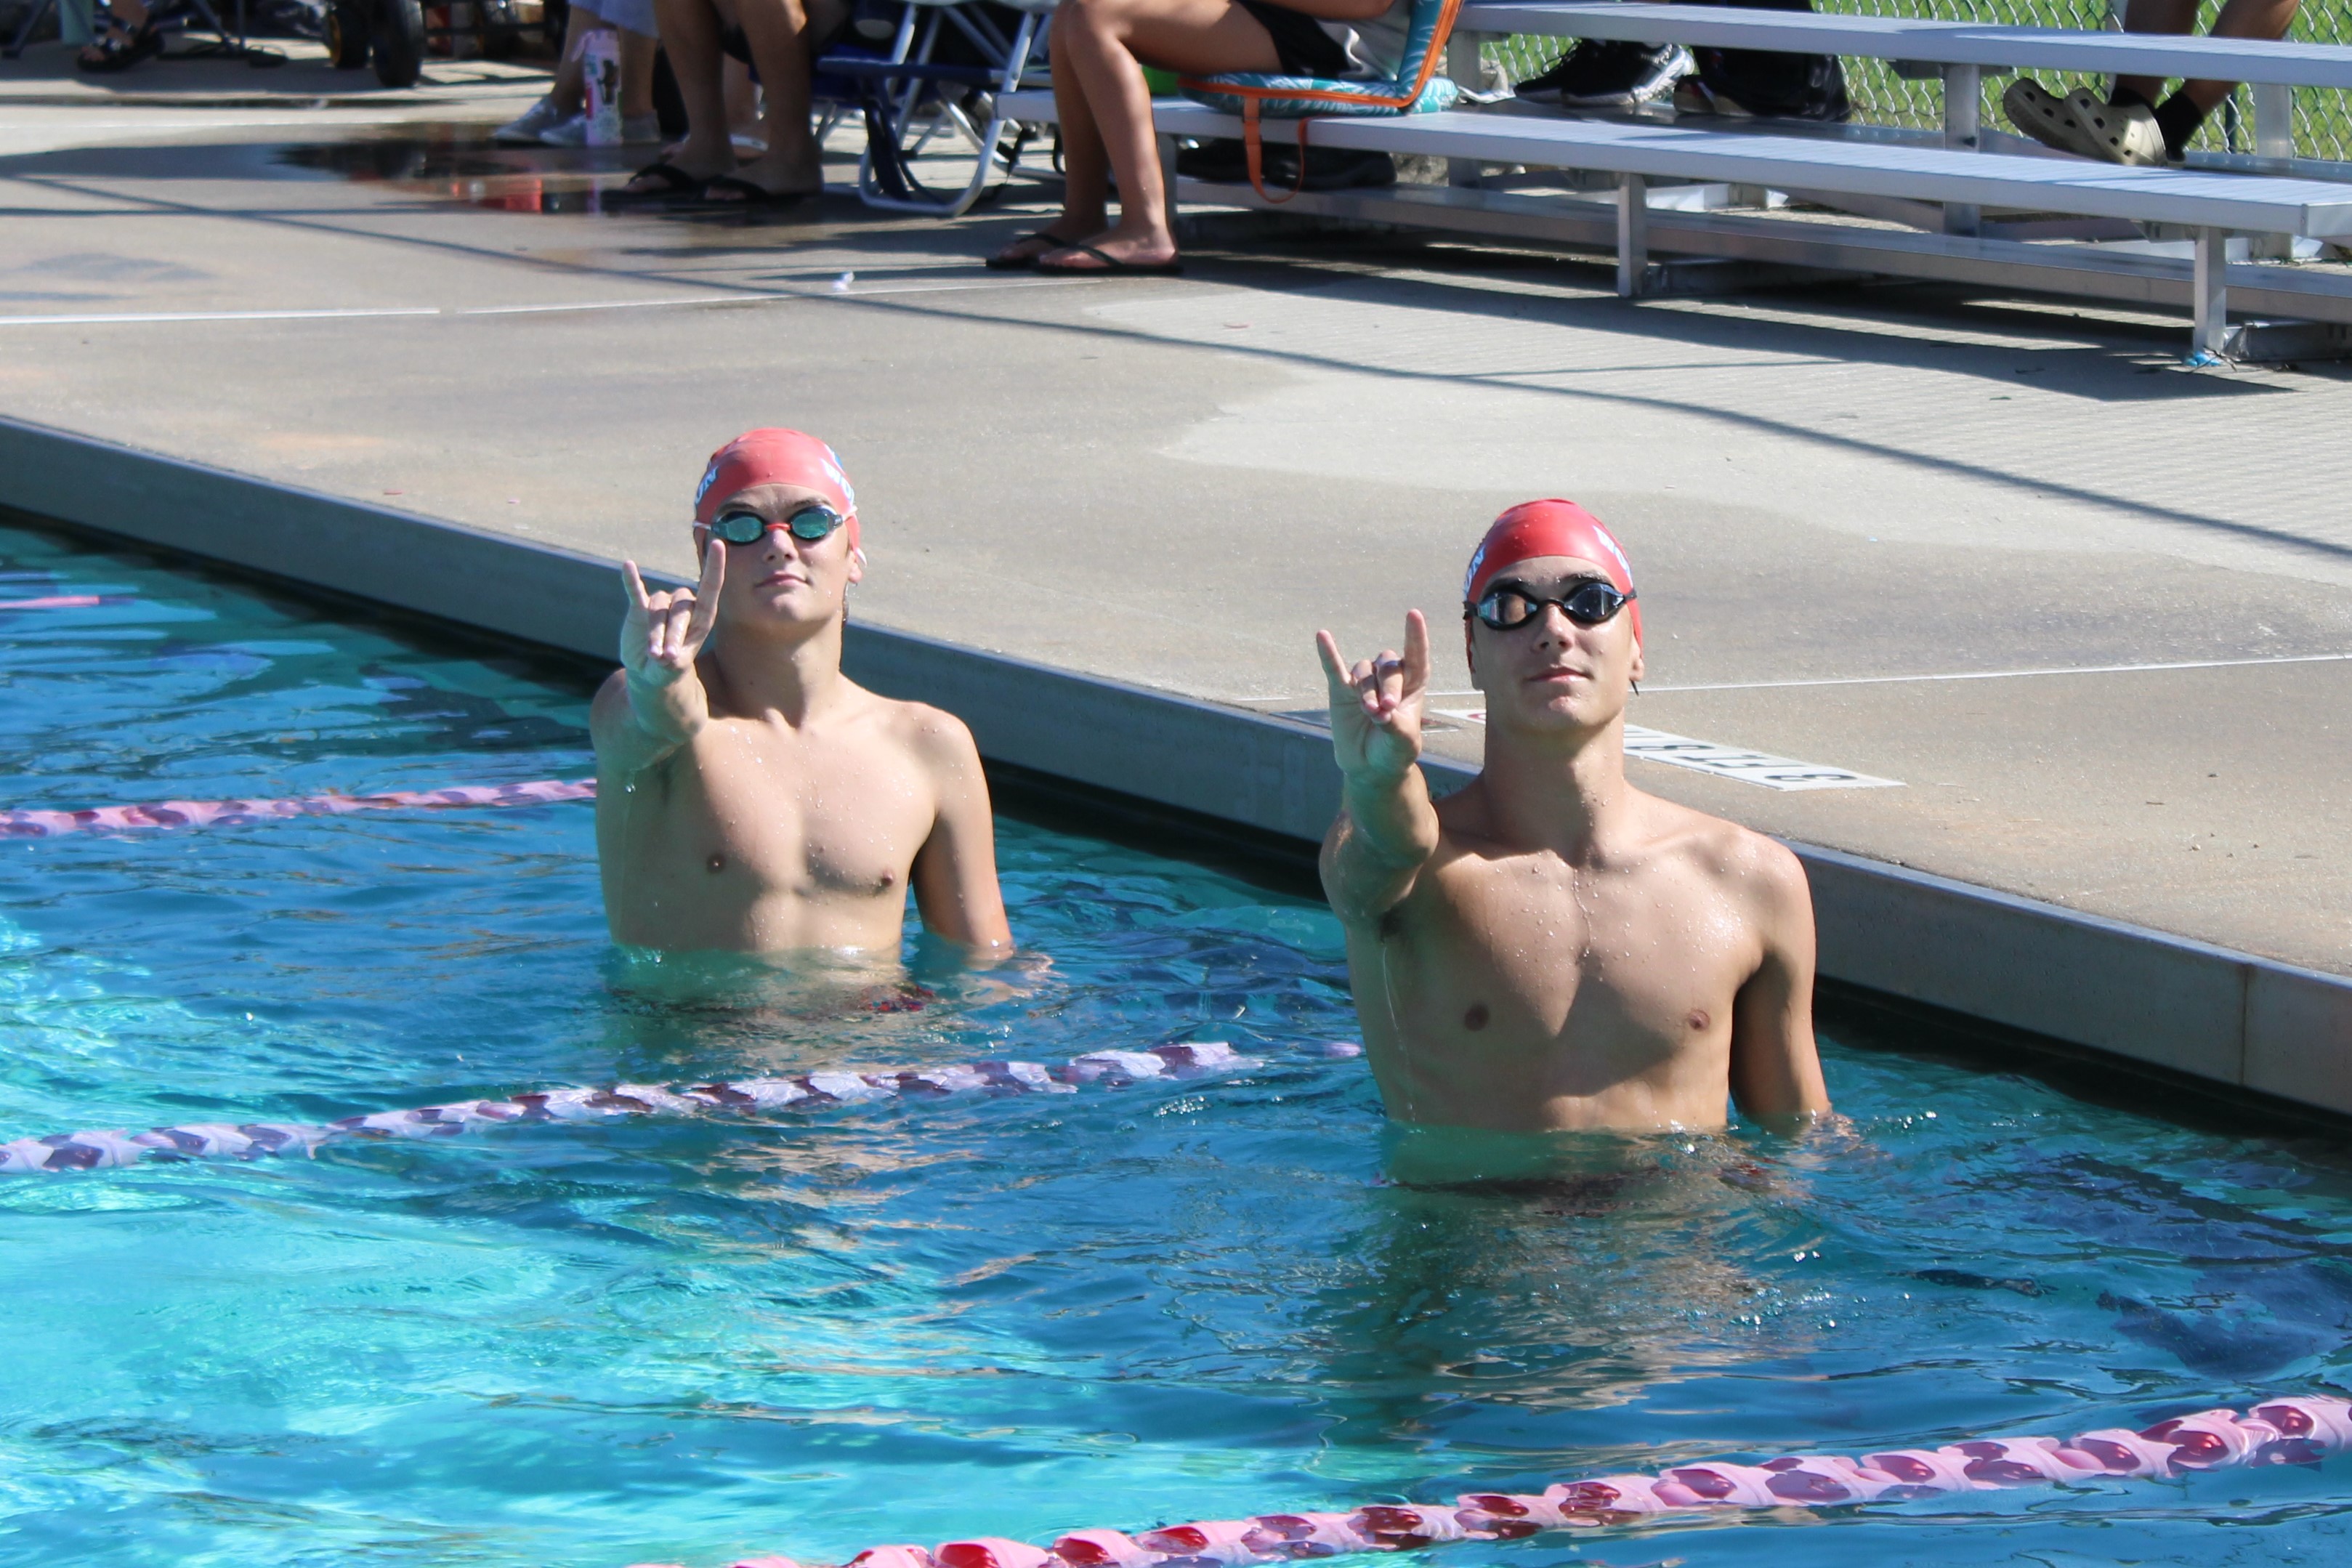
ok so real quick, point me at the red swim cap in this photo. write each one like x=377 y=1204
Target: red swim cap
x=775 y=458
x=1549 y=528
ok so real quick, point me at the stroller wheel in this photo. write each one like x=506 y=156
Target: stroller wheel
x=398 y=40
x=346 y=33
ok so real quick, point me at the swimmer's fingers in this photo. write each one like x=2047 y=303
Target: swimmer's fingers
x=1384 y=684
x=633 y=583
x=1335 y=668
x=1416 y=653
x=706 y=598
x=678 y=627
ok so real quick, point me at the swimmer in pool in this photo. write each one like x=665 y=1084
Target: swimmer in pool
x=1550 y=948
x=751 y=797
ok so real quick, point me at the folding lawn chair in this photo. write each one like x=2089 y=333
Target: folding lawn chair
x=942 y=77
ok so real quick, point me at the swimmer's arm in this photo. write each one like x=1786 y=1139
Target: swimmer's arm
x=1776 y=1072
x=955 y=871
x=655 y=702
x=1388 y=827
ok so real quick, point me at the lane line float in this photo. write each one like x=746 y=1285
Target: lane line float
x=107 y=1149
x=230 y=813
x=2279 y=1432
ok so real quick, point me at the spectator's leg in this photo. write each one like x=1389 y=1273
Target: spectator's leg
x=636 y=75
x=781 y=33
x=1103 y=44
x=743 y=103
x=2264 y=19
x=1085 y=166
x=2179 y=116
x=565 y=91
x=690 y=35
x=2167 y=16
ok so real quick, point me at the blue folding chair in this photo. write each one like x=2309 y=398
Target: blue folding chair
x=946 y=70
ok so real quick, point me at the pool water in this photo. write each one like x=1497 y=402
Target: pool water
x=681 y=1341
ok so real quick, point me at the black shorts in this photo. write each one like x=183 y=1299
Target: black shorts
x=1299 y=41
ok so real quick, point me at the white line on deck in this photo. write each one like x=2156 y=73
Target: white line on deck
x=856 y=292
x=2013 y=673
x=1977 y=674
x=142 y=317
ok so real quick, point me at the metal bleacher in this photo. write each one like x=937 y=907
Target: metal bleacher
x=1968 y=205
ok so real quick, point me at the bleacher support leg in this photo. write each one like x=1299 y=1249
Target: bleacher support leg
x=1463 y=54
x=1633 y=233
x=2274 y=146
x=2212 y=291
x=1963 y=101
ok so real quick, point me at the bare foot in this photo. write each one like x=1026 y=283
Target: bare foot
x=1024 y=251
x=695 y=165
x=777 y=176
x=1114 y=252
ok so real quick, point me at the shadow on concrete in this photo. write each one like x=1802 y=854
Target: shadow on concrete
x=2108 y=362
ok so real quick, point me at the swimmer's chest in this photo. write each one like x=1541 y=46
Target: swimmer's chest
x=1526 y=949
x=844 y=818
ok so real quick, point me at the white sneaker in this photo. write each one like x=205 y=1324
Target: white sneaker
x=529 y=125
x=2084 y=124
x=636 y=131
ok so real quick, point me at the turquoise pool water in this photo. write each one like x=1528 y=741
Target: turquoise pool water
x=682 y=1341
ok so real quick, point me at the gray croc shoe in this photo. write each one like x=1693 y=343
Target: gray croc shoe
x=2084 y=124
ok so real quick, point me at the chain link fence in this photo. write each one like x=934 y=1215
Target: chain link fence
x=2323 y=120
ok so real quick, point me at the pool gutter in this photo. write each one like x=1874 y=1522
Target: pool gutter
x=2154 y=998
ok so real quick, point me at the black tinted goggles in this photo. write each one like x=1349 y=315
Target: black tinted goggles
x=812 y=522
x=1507 y=607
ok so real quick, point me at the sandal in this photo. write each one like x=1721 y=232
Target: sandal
x=671 y=183
x=1112 y=267
x=121 y=48
x=1005 y=261
x=742 y=193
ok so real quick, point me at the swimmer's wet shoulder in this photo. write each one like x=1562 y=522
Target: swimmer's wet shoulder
x=750 y=796
x=1549 y=947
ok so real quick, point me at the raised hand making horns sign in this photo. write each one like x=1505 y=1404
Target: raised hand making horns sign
x=1375 y=703
x=665 y=632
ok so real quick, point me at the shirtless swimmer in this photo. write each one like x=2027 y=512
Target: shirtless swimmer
x=1550 y=948
x=751 y=797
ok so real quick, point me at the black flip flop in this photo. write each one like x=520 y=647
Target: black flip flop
x=121 y=48
x=1000 y=262
x=749 y=193
x=676 y=184
x=1112 y=267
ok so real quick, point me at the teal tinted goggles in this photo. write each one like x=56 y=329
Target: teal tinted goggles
x=812 y=522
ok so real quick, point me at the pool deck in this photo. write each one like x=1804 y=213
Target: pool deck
x=2093 y=613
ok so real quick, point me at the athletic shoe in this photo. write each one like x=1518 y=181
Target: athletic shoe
x=1693 y=96
x=2082 y=125
x=527 y=127
x=1606 y=74
x=638 y=131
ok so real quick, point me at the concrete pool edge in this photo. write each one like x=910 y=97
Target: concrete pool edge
x=2168 y=1001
